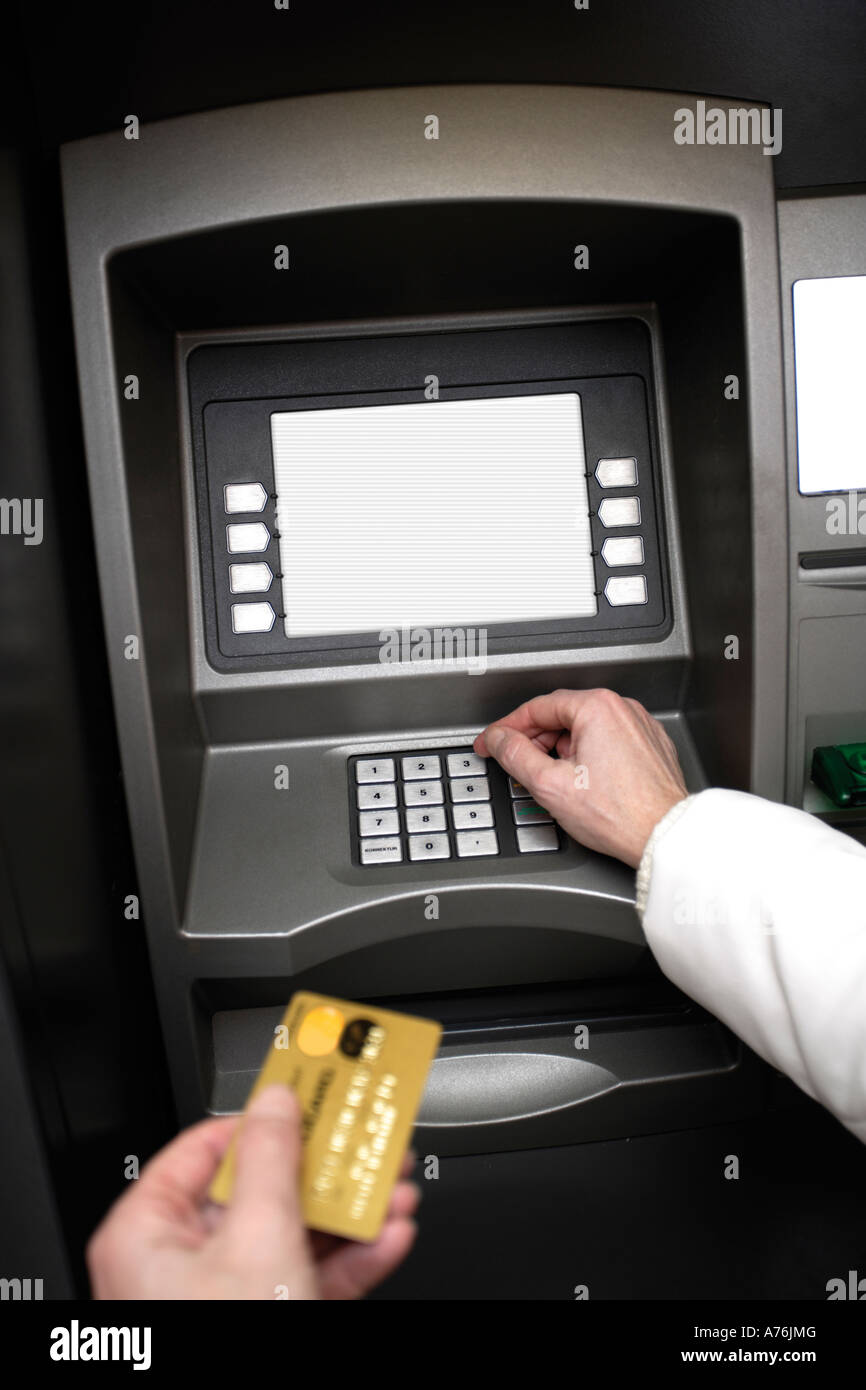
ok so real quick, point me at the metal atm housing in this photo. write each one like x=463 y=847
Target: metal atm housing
x=409 y=257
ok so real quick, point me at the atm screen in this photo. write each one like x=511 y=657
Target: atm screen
x=432 y=514
x=830 y=361
x=340 y=497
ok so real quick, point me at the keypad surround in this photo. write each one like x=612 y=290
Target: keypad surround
x=442 y=806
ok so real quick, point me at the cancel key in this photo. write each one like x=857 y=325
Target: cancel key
x=385 y=850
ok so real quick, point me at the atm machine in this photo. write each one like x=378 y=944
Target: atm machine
x=400 y=407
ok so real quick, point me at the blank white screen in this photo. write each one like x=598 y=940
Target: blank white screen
x=433 y=514
x=830 y=357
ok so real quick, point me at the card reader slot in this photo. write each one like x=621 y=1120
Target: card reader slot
x=833 y=569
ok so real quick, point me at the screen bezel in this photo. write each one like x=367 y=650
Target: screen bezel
x=236 y=387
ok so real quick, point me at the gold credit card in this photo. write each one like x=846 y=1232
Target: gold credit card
x=359 y=1073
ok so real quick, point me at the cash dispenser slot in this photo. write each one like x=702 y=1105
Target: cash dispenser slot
x=530 y=1068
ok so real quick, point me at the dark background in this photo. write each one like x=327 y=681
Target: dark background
x=83 y=67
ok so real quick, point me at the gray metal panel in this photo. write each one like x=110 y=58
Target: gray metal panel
x=820 y=237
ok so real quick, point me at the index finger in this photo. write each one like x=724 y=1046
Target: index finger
x=542 y=714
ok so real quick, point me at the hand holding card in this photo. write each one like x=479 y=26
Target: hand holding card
x=359 y=1073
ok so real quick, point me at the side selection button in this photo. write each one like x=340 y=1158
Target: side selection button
x=252 y=617
x=245 y=497
x=617 y=472
x=622 y=550
x=250 y=579
x=619 y=511
x=247 y=536
x=626 y=589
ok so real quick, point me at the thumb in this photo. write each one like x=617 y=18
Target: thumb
x=268 y=1161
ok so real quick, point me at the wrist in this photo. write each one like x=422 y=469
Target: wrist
x=675 y=809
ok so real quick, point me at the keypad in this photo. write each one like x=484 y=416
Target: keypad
x=422 y=822
x=470 y=789
x=528 y=813
x=383 y=851
x=466 y=765
x=435 y=805
x=471 y=842
x=419 y=769
x=424 y=793
x=374 y=770
x=471 y=816
x=537 y=839
x=379 y=823
x=376 y=796
x=429 y=847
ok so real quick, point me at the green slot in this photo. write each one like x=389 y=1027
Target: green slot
x=839 y=769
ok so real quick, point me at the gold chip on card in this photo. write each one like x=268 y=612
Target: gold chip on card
x=359 y=1073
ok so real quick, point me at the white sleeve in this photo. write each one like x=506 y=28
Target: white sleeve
x=758 y=912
